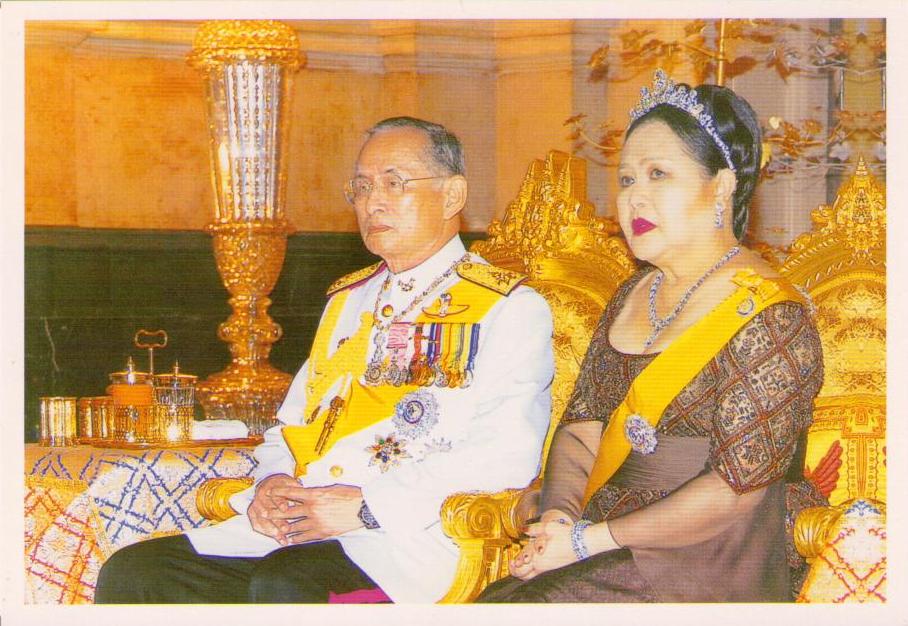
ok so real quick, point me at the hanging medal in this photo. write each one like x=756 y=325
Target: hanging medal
x=373 y=371
x=432 y=350
x=471 y=356
x=398 y=334
x=444 y=348
x=455 y=371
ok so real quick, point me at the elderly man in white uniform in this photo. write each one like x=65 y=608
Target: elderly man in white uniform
x=429 y=374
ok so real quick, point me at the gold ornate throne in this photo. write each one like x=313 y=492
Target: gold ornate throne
x=841 y=263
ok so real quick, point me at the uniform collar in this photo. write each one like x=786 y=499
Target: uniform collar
x=433 y=267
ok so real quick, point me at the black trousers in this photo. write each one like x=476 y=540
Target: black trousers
x=169 y=571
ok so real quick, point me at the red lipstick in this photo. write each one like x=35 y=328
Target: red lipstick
x=640 y=226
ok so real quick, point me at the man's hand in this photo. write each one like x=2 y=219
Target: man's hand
x=265 y=512
x=314 y=513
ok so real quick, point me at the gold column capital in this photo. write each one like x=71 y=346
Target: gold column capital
x=225 y=41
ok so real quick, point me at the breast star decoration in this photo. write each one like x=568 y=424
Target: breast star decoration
x=387 y=452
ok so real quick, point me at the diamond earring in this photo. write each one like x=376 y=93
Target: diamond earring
x=720 y=212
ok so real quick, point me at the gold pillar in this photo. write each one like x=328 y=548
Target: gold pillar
x=247 y=65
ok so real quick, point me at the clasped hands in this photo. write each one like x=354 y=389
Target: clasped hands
x=550 y=545
x=292 y=514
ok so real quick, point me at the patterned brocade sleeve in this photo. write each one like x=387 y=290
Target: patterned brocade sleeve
x=772 y=370
x=586 y=401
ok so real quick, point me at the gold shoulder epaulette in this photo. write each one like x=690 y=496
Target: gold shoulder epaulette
x=495 y=278
x=354 y=278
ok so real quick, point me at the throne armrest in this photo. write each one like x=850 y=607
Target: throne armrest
x=213 y=497
x=486 y=527
x=846 y=548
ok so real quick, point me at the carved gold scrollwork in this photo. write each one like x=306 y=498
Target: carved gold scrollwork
x=212 y=498
x=812 y=528
x=483 y=526
x=550 y=231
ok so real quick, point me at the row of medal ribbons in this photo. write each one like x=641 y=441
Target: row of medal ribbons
x=424 y=354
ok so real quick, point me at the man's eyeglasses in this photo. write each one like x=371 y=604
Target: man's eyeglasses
x=359 y=189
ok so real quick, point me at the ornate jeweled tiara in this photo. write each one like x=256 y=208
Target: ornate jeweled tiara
x=666 y=92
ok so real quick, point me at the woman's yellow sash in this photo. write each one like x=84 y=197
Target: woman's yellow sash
x=664 y=378
x=354 y=406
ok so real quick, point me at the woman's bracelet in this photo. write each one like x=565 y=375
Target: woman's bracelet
x=577 y=541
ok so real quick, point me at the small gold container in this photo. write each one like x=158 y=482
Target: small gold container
x=96 y=418
x=103 y=412
x=84 y=420
x=174 y=400
x=58 y=421
x=133 y=405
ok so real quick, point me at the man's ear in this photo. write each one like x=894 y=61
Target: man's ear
x=726 y=182
x=455 y=191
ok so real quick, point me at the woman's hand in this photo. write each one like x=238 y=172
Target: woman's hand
x=549 y=548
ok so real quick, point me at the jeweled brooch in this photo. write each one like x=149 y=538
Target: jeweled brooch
x=387 y=452
x=416 y=414
x=640 y=433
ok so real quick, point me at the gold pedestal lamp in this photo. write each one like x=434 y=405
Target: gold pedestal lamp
x=247 y=66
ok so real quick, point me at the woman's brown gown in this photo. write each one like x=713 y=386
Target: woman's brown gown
x=744 y=417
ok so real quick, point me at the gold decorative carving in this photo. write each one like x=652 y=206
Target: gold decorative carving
x=485 y=529
x=249 y=257
x=842 y=264
x=266 y=41
x=247 y=66
x=856 y=223
x=812 y=528
x=550 y=230
x=212 y=498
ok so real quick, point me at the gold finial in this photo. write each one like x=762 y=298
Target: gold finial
x=222 y=41
x=862 y=167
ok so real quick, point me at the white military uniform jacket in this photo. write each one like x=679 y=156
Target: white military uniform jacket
x=487 y=437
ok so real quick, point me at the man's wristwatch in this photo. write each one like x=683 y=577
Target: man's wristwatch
x=366 y=517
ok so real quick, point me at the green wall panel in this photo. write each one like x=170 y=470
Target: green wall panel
x=87 y=291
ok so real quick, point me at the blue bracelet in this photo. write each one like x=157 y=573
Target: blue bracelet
x=577 y=542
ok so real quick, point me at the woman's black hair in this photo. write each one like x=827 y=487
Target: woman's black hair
x=737 y=125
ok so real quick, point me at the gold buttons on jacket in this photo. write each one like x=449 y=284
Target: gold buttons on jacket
x=337 y=471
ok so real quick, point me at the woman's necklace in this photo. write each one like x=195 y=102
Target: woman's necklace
x=659 y=324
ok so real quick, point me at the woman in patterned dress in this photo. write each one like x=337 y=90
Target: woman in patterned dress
x=696 y=503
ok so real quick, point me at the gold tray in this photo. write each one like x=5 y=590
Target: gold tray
x=192 y=443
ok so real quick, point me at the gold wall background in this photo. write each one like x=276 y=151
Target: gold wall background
x=115 y=118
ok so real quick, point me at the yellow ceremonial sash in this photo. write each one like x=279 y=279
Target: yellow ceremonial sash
x=355 y=406
x=664 y=378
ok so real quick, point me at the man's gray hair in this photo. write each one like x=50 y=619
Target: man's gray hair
x=445 y=150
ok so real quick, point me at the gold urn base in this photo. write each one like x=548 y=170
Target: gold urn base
x=249 y=394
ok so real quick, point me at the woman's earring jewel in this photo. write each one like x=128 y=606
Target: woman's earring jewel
x=720 y=212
